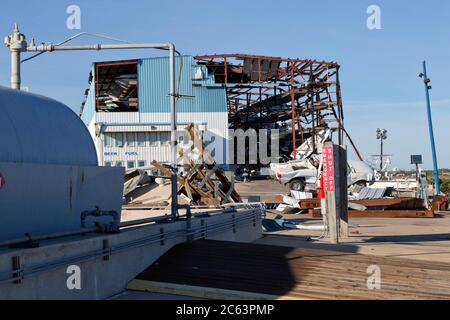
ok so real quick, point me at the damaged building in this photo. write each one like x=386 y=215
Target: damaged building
x=127 y=105
x=127 y=109
x=298 y=97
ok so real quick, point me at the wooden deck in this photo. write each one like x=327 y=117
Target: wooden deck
x=218 y=270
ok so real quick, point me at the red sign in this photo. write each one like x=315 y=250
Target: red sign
x=328 y=169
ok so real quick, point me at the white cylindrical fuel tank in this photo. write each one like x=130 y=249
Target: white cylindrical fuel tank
x=36 y=129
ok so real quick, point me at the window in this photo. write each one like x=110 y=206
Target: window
x=108 y=164
x=153 y=139
x=108 y=140
x=165 y=138
x=141 y=163
x=119 y=164
x=116 y=86
x=183 y=137
x=130 y=164
x=141 y=139
x=180 y=138
x=119 y=140
x=131 y=139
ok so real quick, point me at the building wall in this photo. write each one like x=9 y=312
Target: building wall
x=89 y=107
x=211 y=122
x=204 y=104
x=200 y=95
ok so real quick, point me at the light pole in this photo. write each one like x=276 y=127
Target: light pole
x=427 y=81
x=381 y=135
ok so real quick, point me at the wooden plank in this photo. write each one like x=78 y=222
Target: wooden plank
x=212 y=186
x=210 y=163
x=208 y=176
x=197 y=292
x=181 y=180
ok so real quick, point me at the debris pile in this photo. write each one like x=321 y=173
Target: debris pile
x=201 y=182
x=377 y=208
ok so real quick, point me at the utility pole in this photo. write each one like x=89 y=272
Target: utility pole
x=381 y=135
x=426 y=82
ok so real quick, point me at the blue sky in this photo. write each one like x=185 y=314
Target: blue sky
x=379 y=67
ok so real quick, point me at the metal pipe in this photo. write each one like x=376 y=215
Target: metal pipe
x=133 y=223
x=430 y=128
x=381 y=155
x=47 y=237
x=98 y=47
x=172 y=93
x=17 y=44
x=173 y=136
x=126 y=224
x=15 y=69
x=114 y=226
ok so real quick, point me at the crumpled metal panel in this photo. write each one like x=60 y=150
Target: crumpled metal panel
x=372 y=193
x=267 y=68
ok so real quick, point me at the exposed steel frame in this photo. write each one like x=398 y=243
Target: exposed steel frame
x=303 y=93
x=99 y=65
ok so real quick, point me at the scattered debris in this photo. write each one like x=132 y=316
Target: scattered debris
x=373 y=193
x=202 y=181
x=272 y=225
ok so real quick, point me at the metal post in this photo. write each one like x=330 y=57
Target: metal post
x=381 y=135
x=381 y=156
x=335 y=187
x=16 y=43
x=430 y=127
x=15 y=69
x=294 y=133
x=173 y=128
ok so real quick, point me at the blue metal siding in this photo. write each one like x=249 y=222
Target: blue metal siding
x=89 y=107
x=153 y=76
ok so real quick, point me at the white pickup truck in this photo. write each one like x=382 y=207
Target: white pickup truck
x=302 y=175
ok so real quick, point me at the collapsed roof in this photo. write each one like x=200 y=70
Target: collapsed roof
x=268 y=92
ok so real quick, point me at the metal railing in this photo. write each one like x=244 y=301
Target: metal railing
x=238 y=219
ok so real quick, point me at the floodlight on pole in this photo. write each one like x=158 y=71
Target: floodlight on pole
x=381 y=135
